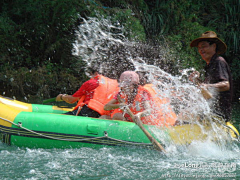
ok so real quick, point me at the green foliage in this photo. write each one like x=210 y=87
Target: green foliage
x=224 y=15
x=36 y=45
x=36 y=36
x=34 y=31
x=39 y=82
x=236 y=67
x=133 y=28
x=182 y=21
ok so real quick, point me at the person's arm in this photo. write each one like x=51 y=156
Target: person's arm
x=86 y=87
x=194 y=77
x=113 y=104
x=67 y=98
x=220 y=86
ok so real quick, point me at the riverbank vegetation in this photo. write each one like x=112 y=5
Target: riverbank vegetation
x=36 y=59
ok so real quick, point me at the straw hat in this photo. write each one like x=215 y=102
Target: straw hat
x=211 y=36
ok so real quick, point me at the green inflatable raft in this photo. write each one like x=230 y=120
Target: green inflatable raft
x=44 y=126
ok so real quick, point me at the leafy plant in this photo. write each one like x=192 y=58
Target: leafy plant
x=38 y=35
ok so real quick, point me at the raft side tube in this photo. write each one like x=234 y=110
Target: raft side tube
x=49 y=130
x=78 y=125
x=16 y=104
x=7 y=115
x=49 y=109
x=33 y=107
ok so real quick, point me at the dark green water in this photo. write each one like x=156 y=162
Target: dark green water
x=200 y=160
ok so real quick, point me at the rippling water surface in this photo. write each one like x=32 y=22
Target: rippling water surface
x=198 y=159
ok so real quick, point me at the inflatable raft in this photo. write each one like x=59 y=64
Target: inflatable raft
x=45 y=126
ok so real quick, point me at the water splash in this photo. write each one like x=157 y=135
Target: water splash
x=98 y=41
x=104 y=43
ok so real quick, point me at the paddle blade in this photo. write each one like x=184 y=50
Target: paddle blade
x=49 y=100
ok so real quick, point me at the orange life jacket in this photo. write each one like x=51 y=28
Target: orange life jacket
x=161 y=107
x=136 y=107
x=102 y=95
x=159 y=116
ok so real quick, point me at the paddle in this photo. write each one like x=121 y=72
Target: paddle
x=194 y=77
x=49 y=100
x=137 y=121
x=206 y=94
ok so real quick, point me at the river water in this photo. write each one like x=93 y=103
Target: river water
x=204 y=160
x=199 y=160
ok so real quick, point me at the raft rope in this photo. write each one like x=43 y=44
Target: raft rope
x=75 y=140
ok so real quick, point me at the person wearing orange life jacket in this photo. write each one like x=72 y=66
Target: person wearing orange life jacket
x=92 y=95
x=135 y=97
x=161 y=106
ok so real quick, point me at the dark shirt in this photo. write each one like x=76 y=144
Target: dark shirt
x=216 y=71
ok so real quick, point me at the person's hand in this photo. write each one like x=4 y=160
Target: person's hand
x=137 y=118
x=59 y=97
x=122 y=105
x=139 y=115
x=205 y=86
x=204 y=90
x=194 y=76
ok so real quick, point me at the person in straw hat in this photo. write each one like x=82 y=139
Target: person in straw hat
x=217 y=72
